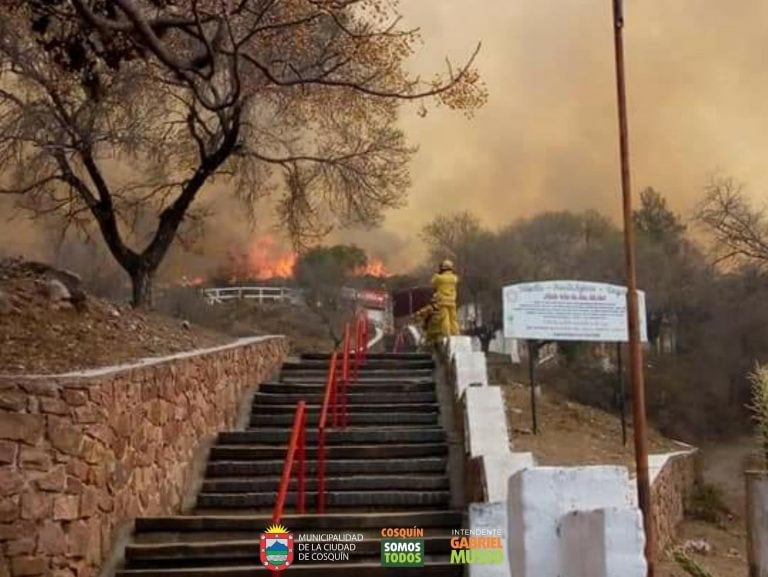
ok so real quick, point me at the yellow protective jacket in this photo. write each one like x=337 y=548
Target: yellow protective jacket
x=445 y=284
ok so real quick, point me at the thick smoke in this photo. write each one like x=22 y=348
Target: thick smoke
x=547 y=139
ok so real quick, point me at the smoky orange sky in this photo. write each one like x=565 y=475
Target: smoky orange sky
x=547 y=139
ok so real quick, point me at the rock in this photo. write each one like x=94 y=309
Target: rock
x=55 y=480
x=32 y=458
x=6 y=306
x=66 y=508
x=51 y=539
x=186 y=325
x=24 y=566
x=57 y=291
x=36 y=506
x=21 y=427
x=11 y=481
x=20 y=547
x=699 y=546
x=65 y=437
x=9 y=509
x=7 y=452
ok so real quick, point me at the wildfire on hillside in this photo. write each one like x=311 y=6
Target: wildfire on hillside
x=265 y=259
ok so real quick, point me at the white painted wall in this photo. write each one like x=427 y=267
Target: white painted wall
x=537 y=500
x=486 y=423
x=489 y=516
x=498 y=470
x=469 y=369
x=613 y=537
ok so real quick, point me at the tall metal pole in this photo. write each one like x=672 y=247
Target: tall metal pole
x=635 y=350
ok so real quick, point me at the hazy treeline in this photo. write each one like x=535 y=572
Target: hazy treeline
x=716 y=309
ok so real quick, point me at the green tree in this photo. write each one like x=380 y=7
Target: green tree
x=323 y=273
x=654 y=221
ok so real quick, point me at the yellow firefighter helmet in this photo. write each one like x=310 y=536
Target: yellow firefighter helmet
x=447 y=264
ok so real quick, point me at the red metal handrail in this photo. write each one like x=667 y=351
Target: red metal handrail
x=296 y=455
x=345 y=378
x=328 y=399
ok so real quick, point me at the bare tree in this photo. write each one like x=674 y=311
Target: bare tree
x=114 y=111
x=739 y=230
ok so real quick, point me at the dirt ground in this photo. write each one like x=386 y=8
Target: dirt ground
x=571 y=433
x=305 y=330
x=44 y=332
x=727 y=555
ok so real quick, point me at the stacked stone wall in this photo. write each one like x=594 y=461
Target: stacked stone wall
x=82 y=455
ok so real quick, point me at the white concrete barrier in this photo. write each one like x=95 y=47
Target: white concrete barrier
x=489 y=517
x=757 y=522
x=486 y=422
x=539 y=497
x=469 y=369
x=613 y=537
x=498 y=470
x=458 y=345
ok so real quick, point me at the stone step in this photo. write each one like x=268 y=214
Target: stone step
x=394 y=499
x=217 y=469
x=369 y=365
x=374 y=356
x=353 y=419
x=176 y=553
x=364 y=376
x=389 y=451
x=308 y=522
x=319 y=387
x=370 y=568
x=353 y=398
x=321 y=379
x=335 y=437
x=357 y=406
x=353 y=483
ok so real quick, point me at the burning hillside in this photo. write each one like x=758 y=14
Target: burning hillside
x=266 y=259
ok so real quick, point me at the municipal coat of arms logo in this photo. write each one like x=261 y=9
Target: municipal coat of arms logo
x=276 y=548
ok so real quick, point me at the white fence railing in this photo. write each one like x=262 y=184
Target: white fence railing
x=260 y=294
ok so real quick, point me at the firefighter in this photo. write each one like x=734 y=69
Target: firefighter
x=444 y=284
x=429 y=319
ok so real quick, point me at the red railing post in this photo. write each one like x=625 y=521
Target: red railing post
x=321 y=470
x=334 y=392
x=302 y=457
x=285 y=479
x=356 y=367
x=345 y=378
x=330 y=392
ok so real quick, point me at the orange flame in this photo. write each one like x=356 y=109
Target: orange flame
x=375 y=268
x=266 y=260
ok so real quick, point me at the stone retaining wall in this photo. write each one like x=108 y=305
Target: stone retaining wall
x=670 y=489
x=83 y=454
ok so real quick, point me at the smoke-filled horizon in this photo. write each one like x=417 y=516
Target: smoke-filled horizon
x=547 y=139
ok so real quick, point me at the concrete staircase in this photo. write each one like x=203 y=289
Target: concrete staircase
x=387 y=469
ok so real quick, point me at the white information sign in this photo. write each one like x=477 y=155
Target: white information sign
x=569 y=311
